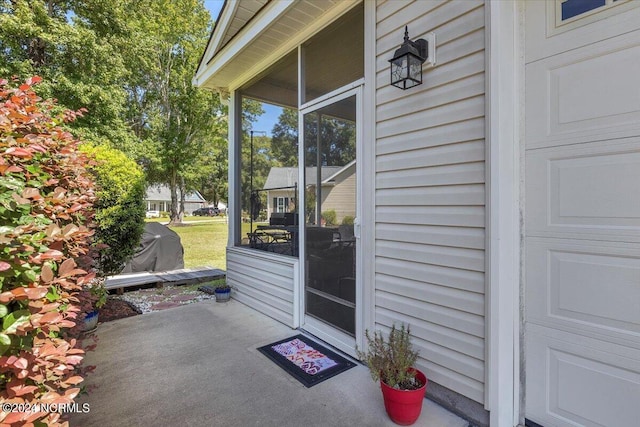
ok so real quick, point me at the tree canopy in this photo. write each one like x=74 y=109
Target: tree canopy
x=130 y=64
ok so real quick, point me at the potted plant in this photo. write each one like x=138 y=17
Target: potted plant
x=223 y=292
x=392 y=363
x=91 y=298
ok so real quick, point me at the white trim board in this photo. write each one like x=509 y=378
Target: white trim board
x=503 y=213
x=368 y=172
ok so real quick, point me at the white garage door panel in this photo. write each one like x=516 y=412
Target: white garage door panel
x=544 y=38
x=586 y=381
x=589 y=94
x=595 y=94
x=585 y=287
x=589 y=191
x=582 y=214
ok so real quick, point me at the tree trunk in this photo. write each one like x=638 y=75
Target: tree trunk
x=173 y=212
x=182 y=197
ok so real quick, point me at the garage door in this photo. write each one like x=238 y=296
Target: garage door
x=582 y=213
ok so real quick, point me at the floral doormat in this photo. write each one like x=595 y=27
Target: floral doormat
x=306 y=360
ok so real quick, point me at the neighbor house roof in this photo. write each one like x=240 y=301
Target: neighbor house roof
x=288 y=177
x=346 y=170
x=162 y=192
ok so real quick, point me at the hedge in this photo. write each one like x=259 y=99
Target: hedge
x=120 y=209
x=46 y=229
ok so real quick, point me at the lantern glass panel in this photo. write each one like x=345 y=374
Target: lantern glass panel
x=415 y=68
x=399 y=69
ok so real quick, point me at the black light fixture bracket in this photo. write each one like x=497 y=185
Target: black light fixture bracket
x=426 y=47
x=423 y=48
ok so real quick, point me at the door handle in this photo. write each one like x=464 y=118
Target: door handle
x=356 y=228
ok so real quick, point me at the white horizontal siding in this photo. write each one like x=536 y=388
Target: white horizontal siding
x=437 y=175
x=432 y=136
x=444 y=295
x=450 y=154
x=454 y=237
x=423 y=273
x=452 y=318
x=448 y=113
x=469 y=259
x=462 y=216
x=263 y=281
x=430 y=191
x=453 y=195
x=467 y=87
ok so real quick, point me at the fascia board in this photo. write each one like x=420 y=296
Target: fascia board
x=220 y=29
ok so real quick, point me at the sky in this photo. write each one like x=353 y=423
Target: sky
x=214 y=7
x=271 y=112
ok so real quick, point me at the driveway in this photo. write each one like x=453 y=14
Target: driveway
x=197 y=365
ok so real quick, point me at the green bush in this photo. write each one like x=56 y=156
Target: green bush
x=120 y=209
x=330 y=217
x=46 y=229
x=348 y=220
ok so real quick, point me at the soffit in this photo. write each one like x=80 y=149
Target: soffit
x=256 y=38
x=245 y=10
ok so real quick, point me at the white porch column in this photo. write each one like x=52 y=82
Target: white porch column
x=503 y=213
x=234 y=213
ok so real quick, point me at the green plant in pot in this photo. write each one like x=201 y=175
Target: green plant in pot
x=392 y=362
x=223 y=292
x=91 y=298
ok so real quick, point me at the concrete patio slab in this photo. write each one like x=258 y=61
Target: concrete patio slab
x=197 y=365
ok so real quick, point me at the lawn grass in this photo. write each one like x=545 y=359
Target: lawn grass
x=204 y=243
x=165 y=219
x=204 y=240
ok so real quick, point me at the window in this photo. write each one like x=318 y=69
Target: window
x=571 y=8
x=281 y=204
x=570 y=11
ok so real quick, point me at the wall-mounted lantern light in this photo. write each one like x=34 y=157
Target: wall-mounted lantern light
x=406 y=64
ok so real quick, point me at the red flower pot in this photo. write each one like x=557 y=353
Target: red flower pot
x=404 y=406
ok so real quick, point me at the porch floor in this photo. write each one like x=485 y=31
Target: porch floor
x=197 y=365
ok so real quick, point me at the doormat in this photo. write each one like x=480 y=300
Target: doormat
x=306 y=360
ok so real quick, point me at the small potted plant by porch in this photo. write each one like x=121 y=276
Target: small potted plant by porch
x=223 y=292
x=91 y=298
x=392 y=363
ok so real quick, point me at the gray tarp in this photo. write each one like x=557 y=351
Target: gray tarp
x=160 y=250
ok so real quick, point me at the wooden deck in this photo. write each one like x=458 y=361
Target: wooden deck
x=173 y=277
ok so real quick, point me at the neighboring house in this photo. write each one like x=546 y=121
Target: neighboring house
x=340 y=189
x=158 y=198
x=497 y=203
x=338 y=185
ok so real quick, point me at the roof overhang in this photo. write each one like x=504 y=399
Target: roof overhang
x=271 y=30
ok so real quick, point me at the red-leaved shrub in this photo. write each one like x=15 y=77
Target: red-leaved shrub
x=46 y=211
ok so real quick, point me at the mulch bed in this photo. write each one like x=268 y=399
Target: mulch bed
x=116 y=309
x=147 y=300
